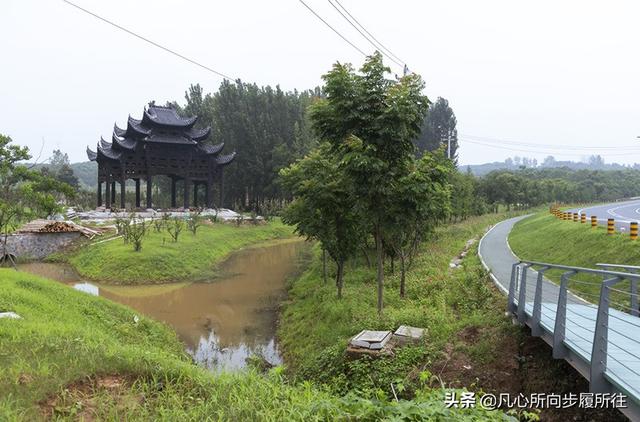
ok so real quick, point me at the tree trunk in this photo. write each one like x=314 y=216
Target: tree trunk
x=402 y=275
x=366 y=256
x=393 y=265
x=380 y=276
x=339 y=275
x=324 y=265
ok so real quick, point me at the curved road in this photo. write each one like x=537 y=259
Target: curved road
x=498 y=258
x=623 y=213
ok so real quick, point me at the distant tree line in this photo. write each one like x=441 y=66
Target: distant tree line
x=528 y=187
x=593 y=162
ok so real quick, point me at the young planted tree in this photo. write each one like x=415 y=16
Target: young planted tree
x=324 y=207
x=136 y=233
x=174 y=227
x=158 y=224
x=422 y=199
x=463 y=196
x=371 y=122
x=194 y=221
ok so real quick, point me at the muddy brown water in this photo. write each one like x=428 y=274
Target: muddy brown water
x=221 y=322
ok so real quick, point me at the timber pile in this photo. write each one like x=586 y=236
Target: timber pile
x=58 y=227
x=48 y=226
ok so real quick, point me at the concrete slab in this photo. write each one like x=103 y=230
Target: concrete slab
x=410 y=332
x=373 y=340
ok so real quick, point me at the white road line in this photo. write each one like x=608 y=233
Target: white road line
x=622 y=218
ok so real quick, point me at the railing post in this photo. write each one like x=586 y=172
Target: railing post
x=522 y=294
x=597 y=381
x=559 y=349
x=633 y=290
x=511 y=306
x=536 y=329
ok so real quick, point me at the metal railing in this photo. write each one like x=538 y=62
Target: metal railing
x=633 y=285
x=586 y=315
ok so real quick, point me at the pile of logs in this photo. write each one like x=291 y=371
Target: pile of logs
x=49 y=226
x=58 y=227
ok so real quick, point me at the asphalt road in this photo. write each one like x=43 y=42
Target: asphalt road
x=622 y=212
x=498 y=258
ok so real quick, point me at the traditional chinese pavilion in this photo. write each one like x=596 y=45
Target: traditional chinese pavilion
x=161 y=143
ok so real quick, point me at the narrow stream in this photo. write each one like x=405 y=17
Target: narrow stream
x=221 y=322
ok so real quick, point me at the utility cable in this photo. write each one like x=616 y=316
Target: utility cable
x=551 y=146
x=368 y=33
x=147 y=40
x=542 y=151
x=364 y=35
x=331 y=27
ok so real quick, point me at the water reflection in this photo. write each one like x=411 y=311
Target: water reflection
x=92 y=289
x=221 y=322
x=211 y=354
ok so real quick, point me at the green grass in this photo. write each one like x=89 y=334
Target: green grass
x=316 y=326
x=161 y=260
x=68 y=343
x=545 y=238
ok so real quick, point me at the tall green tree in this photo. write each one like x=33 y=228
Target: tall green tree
x=60 y=168
x=268 y=128
x=371 y=121
x=439 y=128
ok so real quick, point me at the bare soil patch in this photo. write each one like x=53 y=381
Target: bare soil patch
x=521 y=364
x=82 y=399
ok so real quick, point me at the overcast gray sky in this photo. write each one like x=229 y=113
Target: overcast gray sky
x=541 y=73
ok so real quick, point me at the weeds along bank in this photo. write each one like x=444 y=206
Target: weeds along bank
x=74 y=356
x=191 y=257
x=316 y=326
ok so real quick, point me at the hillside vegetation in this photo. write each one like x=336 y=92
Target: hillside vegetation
x=73 y=356
x=161 y=260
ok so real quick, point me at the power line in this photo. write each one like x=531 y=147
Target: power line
x=147 y=40
x=549 y=146
x=544 y=152
x=363 y=34
x=369 y=33
x=332 y=28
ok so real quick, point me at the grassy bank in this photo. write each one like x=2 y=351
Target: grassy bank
x=545 y=238
x=161 y=260
x=444 y=301
x=73 y=356
x=469 y=342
